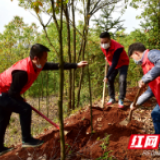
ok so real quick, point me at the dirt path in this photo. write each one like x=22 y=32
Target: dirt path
x=81 y=144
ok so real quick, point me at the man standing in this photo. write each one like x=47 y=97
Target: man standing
x=150 y=63
x=14 y=82
x=118 y=62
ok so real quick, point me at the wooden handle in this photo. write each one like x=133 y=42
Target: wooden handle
x=104 y=87
x=134 y=104
x=136 y=98
x=130 y=115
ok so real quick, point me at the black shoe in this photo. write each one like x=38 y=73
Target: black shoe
x=32 y=143
x=5 y=150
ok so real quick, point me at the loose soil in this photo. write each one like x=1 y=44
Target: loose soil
x=81 y=144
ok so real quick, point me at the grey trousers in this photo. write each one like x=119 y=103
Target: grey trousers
x=122 y=81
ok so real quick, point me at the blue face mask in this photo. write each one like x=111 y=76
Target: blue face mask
x=139 y=62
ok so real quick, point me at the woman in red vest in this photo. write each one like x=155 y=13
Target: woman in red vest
x=16 y=80
x=118 y=61
x=150 y=63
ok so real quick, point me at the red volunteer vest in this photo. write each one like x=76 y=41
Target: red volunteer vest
x=147 y=65
x=123 y=60
x=23 y=65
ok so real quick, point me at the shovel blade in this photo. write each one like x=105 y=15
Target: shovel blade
x=124 y=122
x=66 y=132
x=127 y=120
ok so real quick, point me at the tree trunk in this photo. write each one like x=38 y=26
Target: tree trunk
x=74 y=56
x=55 y=83
x=90 y=93
x=42 y=84
x=84 y=41
x=69 y=57
x=60 y=101
x=47 y=87
x=39 y=100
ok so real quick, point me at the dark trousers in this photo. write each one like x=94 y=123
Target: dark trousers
x=9 y=105
x=156 y=119
x=122 y=82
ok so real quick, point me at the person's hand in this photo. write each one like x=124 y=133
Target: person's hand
x=132 y=108
x=105 y=80
x=141 y=84
x=82 y=64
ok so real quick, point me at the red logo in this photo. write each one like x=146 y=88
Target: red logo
x=144 y=141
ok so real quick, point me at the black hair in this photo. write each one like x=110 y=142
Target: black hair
x=136 y=47
x=38 y=50
x=105 y=35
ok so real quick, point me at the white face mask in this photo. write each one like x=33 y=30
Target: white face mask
x=139 y=62
x=105 y=45
x=39 y=66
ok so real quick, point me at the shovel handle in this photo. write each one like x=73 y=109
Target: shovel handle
x=136 y=98
x=134 y=103
x=47 y=119
x=104 y=87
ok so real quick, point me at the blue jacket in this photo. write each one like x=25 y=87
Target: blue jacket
x=154 y=57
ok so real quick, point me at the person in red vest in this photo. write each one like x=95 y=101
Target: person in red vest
x=118 y=61
x=150 y=63
x=15 y=81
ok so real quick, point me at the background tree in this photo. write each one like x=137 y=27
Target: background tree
x=150 y=21
x=90 y=7
x=105 y=21
x=15 y=41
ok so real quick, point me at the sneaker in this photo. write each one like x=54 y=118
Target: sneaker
x=120 y=103
x=32 y=143
x=5 y=150
x=111 y=101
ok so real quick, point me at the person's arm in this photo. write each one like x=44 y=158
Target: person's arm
x=115 y=60
x=154 y=57
x=19 y=80
x=55 y=66
x=145 y=96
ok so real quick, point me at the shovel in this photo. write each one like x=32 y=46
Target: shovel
x=127 y=120
x=104 y=87
x=47 y=119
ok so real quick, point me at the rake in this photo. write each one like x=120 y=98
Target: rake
x=47 y=119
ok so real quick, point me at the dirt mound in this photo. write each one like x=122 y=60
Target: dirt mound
x=81 y=144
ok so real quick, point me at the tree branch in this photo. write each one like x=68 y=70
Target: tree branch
x=54 y=17
x=95 y=6
x=102 y=5
x=44 y=28
x=48 y=21
x=74 y=27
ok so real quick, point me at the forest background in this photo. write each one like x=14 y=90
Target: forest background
x=72 y=41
